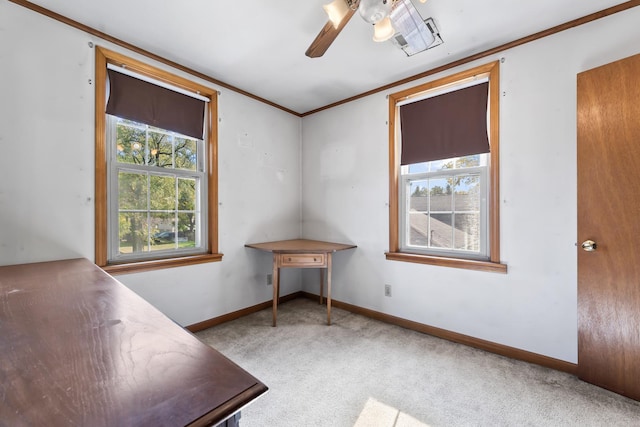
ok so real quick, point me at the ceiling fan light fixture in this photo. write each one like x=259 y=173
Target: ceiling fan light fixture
x=374 y=11
x=413 y=34
x=383 y=30
x=336 y=10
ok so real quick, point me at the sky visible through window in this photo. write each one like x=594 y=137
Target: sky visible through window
x=458 y=163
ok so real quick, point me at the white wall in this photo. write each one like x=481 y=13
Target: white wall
x=47 y=188
x=534 y=306
x=47 y=172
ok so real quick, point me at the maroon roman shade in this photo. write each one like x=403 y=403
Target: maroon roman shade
x=134 y=99
x=453 y=124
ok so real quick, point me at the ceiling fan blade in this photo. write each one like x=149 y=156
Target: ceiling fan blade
x=326 y=36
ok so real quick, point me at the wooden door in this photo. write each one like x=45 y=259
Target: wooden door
x=609 y=215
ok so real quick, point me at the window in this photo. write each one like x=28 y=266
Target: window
x=445 y=207
x=156 y=182
x=156 y=187
x=444 y=172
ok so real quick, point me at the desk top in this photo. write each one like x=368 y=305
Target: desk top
x=300 y=246
x=79 y=348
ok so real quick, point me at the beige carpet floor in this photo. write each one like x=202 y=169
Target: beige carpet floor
x=361 y=372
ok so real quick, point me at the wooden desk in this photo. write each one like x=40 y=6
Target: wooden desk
x=301 y=253
x=79 y=348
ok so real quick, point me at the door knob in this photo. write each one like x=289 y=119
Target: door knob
x=589 y=245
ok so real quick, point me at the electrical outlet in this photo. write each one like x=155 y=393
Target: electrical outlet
x=269 y=279
x=387 y=290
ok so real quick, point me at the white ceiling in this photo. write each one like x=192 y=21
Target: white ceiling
x=258 y=46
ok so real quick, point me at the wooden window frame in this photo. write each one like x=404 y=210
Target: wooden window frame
x=104 y=57
x=492 y=72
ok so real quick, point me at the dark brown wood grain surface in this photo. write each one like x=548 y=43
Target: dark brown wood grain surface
x=608 y=104
x=78 y=348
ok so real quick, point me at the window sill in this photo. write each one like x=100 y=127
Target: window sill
x=158 y=264
x=493 y=267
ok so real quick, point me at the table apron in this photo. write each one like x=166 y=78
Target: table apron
x=301 y=260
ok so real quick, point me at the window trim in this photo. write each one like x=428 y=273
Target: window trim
x=104 y=57
x=492 y=72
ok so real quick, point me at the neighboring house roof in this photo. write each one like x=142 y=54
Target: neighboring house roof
x=441 y=232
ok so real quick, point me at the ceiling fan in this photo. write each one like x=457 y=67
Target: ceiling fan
x=376 y=12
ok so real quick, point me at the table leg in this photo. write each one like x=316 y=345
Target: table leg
x=275 y=278
x=329 y=288
x=321 y=284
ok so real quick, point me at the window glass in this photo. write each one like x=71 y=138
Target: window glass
x=158 y=201
x=445 y=212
